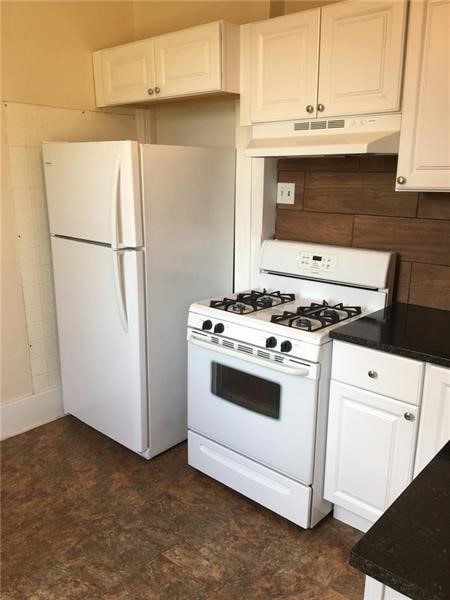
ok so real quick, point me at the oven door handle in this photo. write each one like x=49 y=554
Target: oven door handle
x=303 y=371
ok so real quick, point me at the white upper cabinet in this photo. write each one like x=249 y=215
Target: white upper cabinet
x=424 y=153
x=188 y=61
x=284 y=60
x=124 y=73
x=361 y=57
x=342 y=59
x=198 y=60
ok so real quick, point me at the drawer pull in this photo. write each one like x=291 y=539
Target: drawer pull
x=372 y=374
x=409 y=416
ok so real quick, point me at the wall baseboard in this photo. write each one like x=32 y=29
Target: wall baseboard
x=27 y=413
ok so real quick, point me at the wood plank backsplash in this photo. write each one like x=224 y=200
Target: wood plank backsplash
x=350 y=201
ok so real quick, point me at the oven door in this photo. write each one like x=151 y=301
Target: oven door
x=263 y=409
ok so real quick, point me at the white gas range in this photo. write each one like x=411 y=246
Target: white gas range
x=259 y=369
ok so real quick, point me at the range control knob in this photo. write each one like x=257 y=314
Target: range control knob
x=286 y=346
x=271 y=342
x=219 y=328
x=206 y=324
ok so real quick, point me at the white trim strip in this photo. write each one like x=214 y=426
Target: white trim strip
x=26 y=413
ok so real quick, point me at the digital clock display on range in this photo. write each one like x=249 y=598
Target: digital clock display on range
x=317 y=258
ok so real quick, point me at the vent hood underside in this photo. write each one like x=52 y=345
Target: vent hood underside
x=354 y=135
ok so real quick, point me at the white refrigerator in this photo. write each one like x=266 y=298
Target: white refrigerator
x=138 y=232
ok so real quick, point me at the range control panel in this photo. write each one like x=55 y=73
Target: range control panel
x=316 y=263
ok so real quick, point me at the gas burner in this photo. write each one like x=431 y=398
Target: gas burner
x=266 y=298
x=265 y=301
x=247 y=302
x=303 y=323
x=316 y=316
x=232 y=305
x=239 y=307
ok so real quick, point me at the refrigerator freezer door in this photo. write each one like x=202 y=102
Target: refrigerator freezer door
x=93 y=191
x=101 y=327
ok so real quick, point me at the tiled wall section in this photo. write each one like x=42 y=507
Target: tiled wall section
x=26 y=127
x=350 y=201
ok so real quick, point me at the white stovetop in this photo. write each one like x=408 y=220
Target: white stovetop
x=261 y=320
x=313 y=273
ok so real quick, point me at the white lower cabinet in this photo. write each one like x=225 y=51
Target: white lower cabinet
x=370 y=452
x=374 y=590
x=434 y=429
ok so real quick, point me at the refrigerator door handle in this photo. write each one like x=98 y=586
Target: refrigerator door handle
x=119 y=287
x=115 y=205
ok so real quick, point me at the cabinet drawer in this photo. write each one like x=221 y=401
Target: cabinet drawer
x=380 y=372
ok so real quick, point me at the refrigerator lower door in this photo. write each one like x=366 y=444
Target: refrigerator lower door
x=93 y=191
x=101 y=327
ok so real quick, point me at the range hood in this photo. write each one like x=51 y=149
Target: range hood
x=378 y=134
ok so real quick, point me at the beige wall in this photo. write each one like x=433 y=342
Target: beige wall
x=196 y=124
x=156 y=17
x=291 y=6
x=15 y=358
x=47 y=48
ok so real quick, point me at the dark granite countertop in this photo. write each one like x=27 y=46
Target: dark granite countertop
x=408 y=548
x=407 y=329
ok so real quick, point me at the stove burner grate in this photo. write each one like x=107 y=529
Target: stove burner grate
x=247 y=302
x=316 y=316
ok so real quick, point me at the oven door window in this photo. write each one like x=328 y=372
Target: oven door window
x=254 y=393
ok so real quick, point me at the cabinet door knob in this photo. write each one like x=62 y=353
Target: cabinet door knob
x=320 y=107
x=401 y=180
x=409 y=416
x=372 y=374
x=157 y=90
x=310 y=108
x=150 y=91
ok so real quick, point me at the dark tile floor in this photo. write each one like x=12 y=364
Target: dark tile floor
x=83 y=517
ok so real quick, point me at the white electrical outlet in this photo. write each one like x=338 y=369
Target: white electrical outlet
x=285 y=193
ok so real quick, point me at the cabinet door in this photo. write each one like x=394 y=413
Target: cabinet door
x=434 y=430
x=375 y=590
x=361 y=57
x=124 y=74
x=424 y=153
x=370 y=450
x=284 y=55
x=189 y=61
